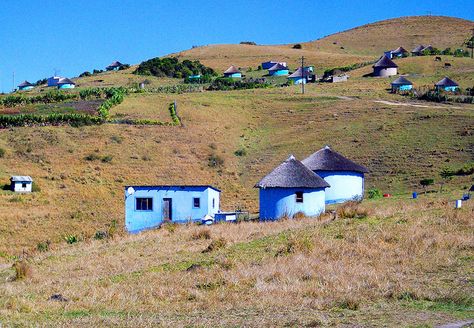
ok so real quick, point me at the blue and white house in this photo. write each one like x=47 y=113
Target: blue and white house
x=346 y=178
x=232 y=72
x=290 y=189
x=115 y=66
x=53 y=81
x=65 y=83
x=446 y=84
x=300 y=76
x=21 y=183
x=278 y=70
x=401 y=84
x=25 y=86
x=149 y=206
x=268 y=64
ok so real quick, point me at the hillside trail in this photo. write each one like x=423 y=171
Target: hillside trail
x=405 y=104
x=459 y=324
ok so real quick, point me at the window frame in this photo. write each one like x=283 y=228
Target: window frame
x=299 y=197
x=199 y=202
x=149 y=204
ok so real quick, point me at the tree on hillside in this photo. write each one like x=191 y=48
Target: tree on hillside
x=446 y=174
x=470 y=44
x=425 y=183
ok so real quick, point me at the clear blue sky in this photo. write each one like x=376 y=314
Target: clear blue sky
x=38 y=37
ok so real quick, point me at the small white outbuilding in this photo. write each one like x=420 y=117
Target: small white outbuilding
x=21 y=183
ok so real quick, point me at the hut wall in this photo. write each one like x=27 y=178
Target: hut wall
x=384 y=72
x=22 y=186
x=344 y=185
x=276 y=203
x=448 y=89
x=25 y=88
x=234 y=75
x=66 y=86
x=281 y=72
x=298 y=80
x=405 y=87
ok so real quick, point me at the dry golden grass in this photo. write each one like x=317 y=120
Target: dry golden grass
x=373 y=39
x=407 y=263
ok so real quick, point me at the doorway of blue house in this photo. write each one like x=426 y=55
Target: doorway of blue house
x=167 y=209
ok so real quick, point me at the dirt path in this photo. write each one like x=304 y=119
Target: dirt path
x=459 y=324
x=396 y=103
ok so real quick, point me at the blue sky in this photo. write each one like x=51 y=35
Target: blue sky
x=39 y=37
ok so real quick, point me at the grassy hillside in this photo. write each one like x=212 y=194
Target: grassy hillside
x=402 y=263
x=373 y=39
x=357 y=45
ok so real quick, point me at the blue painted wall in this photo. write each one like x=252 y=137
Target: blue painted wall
x=298 y=80
x=182 y=205
x=406 y=87
x=344 y=185
x=66 y=86
x=236 y=75
x=276 y=203
x=280 y=72
x=25 y=88
x=449 y=89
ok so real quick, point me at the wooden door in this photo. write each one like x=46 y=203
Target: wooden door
x=167 y=207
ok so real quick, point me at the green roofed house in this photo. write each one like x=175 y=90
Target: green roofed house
x=401 y=84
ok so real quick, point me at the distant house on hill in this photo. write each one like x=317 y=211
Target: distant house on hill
x=268 y=64
x=291 y=189
x=150 y=206
x=232 y=71
x=300 y=76
x=21 y=183
x=428 y=49
x=401 y=84
x=398 y=53
x=346 y=178
x=418 y=51
x=115 y=66
x=25 y=86
x=385 y=67
x=65 y=83
x=446 y=84
x=53 y=81
x=278 y=70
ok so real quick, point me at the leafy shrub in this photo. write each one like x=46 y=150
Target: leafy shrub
x=171 y=67
x=250 y=43
x=22 y=270
x=107 y=159
x=43 y=246
x=99 y=235
x=240 y=152
x=374 y=193
x=52 y=96
x=224 y=84
x=426 y=182
x=92 y=157
x=71 y=239
x=73 y=119
x=297 y=46
x=174 y=116
x=215 y=160
x=85 y=74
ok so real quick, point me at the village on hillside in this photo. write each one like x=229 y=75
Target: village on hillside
x=327 y=181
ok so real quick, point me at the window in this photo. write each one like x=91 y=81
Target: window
x=197 y=202
x=23 y=185
x=299 y=196
x=144 y=204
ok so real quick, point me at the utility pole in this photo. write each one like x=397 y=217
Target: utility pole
x=302 y=75
x=13 y=81
x=472 y=44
